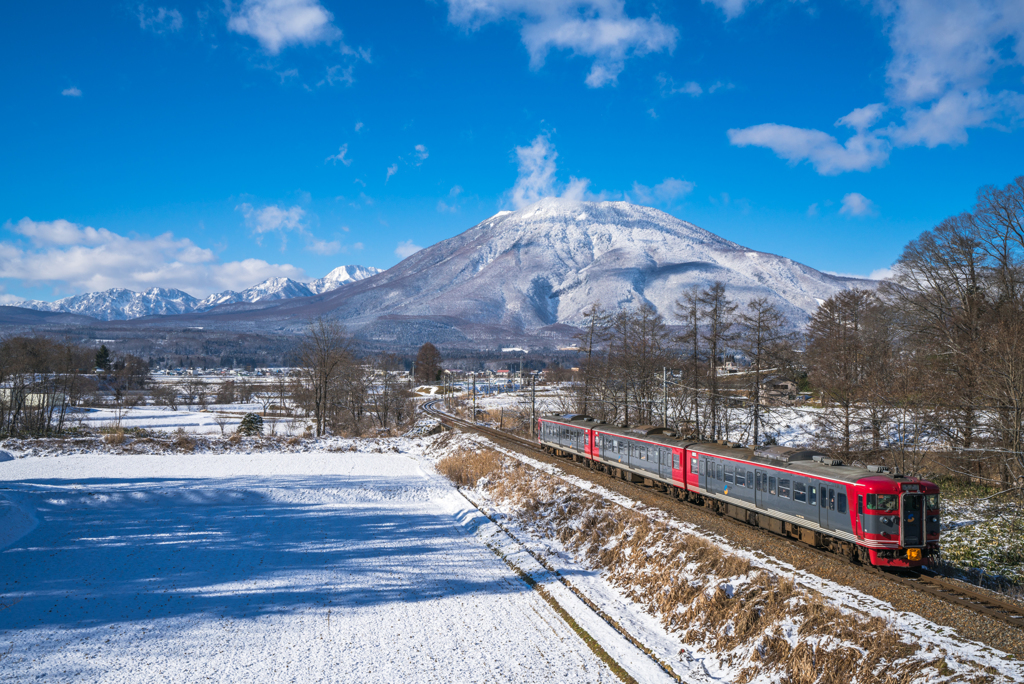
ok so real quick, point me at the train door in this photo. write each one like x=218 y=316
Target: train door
x=828 y=507
x=813 y=493
x=911 y=520
x=760 y=488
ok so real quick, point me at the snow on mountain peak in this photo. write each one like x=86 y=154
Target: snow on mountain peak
x=548 y=262
x=122 y=304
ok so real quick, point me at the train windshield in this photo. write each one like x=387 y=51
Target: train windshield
x=883 y=502
x=931 y=502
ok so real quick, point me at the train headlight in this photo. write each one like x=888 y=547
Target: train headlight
x=933 y=519
x=913 y=554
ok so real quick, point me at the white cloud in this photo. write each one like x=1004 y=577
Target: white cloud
x=75 y=258
x=877 y=274
x=339 y=74
x=279 y=23
x=392 y=170
x=159 y=20
x=536 y=172
x=669 y=87
x=812 y=210
x=71 y=92
x=272 y=218
x=537 y=178
x=421 y=153
x=323 y=247
x=731 y=8
x=653 y=114
x=450 y=205
x=863 y=117
x=856 y=204
x=359 y=126
x=598 y=29
x=861 y=151
x=340 y=157
x=665 y=192
x=407 y=249
x=945 y=57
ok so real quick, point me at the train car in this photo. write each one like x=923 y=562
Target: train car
x=871 y=514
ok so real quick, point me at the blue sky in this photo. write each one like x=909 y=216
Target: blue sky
x=208 y=146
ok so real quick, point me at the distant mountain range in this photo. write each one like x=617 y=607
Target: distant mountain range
x=524 y=277
x=119 y=304
x=529 y=275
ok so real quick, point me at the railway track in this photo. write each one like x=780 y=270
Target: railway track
x=950 y=591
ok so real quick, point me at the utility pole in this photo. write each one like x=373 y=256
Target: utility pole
x=533 y=406
x=664 y=396
x=474 y=396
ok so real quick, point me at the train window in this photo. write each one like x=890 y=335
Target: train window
x=702 y=467
x=860 y=505
x=757 y=480
x=841 y=503
x=931 y=502
x=784 y=487
x=728 y=473
x=771 y=485
x=799 y=492
x=740 y=477
x=882 y=502
x=764 y=482
x=831 y=499
x=693 y=466
x=750 y=479
x=812 y=499
x=720 y=468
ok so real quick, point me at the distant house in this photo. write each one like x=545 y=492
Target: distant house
x=777 y=390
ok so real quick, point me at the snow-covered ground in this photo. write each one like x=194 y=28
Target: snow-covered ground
x=325 y=566
x=163 y=419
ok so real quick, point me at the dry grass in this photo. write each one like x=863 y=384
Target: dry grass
x=183 y=441
x=709 y=597
x=465 y=469
x=115 y=437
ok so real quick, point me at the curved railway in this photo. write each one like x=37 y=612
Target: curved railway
x=920 y=579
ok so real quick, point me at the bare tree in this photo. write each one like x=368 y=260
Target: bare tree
x=592 y=335
x=428 y=363
x=837 y=360
x=718 y=316
x=688 y=313
x=766 y=340
x=325 y=355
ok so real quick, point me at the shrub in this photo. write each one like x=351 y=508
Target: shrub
x=251 y=425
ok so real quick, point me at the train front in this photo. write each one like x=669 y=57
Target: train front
x=898 y=519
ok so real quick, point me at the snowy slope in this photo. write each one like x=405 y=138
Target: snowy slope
x=268 y=290
x=549 y=262
x=119 y=304
x=343 y=275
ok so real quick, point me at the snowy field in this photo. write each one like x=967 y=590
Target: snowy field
x=193 y=420
x=275 y=567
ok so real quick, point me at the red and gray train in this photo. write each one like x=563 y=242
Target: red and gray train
x=870 y=514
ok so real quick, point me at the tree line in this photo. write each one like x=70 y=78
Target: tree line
x=932 y=361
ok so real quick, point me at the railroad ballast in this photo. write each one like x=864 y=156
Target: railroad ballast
x=870 y=514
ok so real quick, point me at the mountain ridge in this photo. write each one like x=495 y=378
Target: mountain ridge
x=119 y=304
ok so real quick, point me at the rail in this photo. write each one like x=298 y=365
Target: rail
x=943 y=588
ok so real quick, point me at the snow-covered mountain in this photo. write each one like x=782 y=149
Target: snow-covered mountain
x=268 y=290
x=119 y=304
x=343 y=275
x=546 y=264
